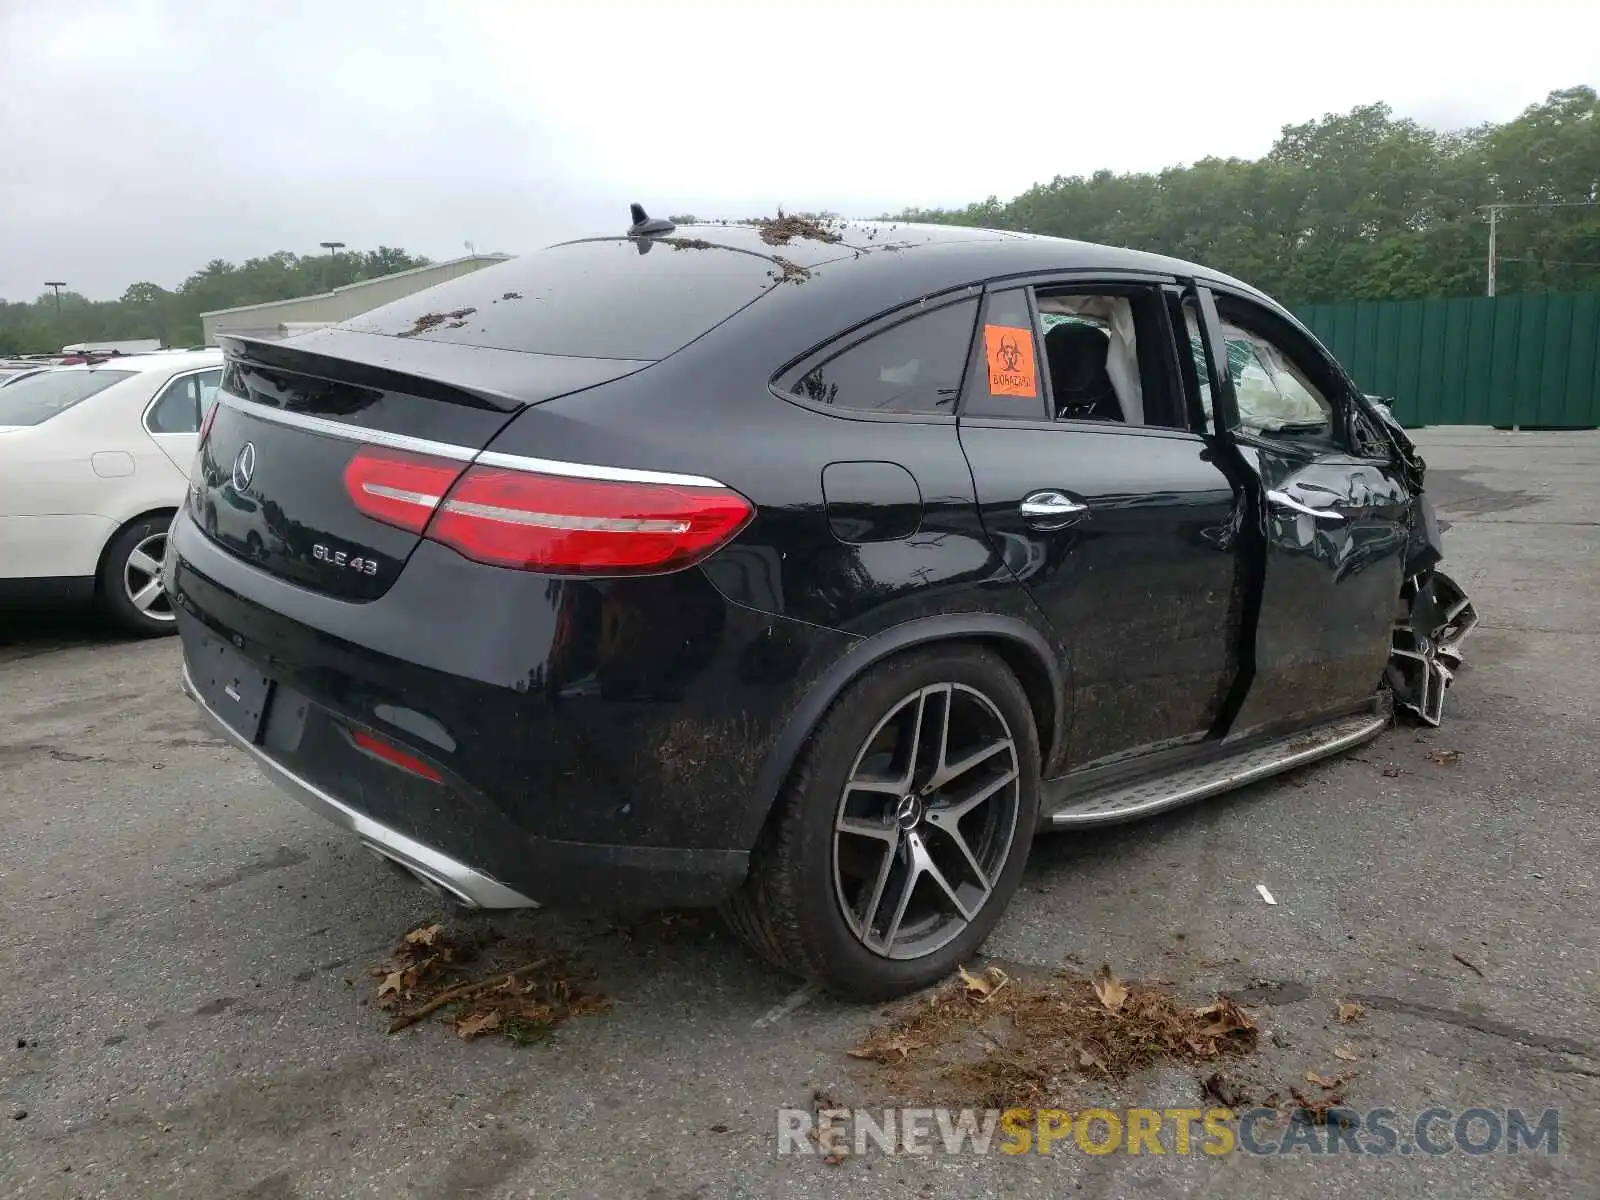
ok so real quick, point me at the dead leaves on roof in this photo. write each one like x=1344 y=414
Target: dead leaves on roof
x=781 y=229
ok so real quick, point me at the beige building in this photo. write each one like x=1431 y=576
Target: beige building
x=283 y=318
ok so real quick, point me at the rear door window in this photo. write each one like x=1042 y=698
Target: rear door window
x=591 y=299
x=912 y=368
x=34 y=400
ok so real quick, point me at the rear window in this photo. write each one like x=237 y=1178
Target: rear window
x=590 y=299
x=34 y=400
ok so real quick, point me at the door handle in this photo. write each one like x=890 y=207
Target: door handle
x=1284 y=500
x=1051 y=510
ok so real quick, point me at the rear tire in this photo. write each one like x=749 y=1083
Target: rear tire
x=903 y=830
x=130 y=589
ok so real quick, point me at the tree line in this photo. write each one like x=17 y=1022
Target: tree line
x=1354 y=206
x=147 y=310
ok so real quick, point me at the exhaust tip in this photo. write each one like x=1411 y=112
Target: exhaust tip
x=427 y=880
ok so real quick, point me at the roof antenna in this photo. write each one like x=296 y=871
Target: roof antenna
x=646 y=226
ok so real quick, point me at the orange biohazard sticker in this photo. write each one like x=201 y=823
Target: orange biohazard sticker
x=1010 y=355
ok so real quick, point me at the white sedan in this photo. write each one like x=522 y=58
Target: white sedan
x=94 y=462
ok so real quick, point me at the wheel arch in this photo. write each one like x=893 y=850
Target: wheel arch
x=1023 y=649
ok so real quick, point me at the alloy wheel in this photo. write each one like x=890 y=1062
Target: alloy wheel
x=926 y=821
x=1425 y=652
x=141 y=578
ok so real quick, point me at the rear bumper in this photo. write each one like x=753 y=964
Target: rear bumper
x=597 y=744
x=461 y=882
x=647 y=876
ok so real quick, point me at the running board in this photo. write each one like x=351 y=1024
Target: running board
x=1128 y=801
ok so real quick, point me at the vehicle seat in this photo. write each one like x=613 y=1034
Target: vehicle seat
x=1081 y=384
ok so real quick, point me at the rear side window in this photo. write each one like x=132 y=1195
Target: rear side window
x=913 y=367
x=590 y=299
x=183 y=403
x=35 y=400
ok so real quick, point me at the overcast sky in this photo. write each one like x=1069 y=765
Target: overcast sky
x=141 y=138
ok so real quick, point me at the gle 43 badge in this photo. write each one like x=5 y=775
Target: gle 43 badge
x=339 y=558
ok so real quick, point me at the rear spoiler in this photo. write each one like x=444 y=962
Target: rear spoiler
x=474 y=376
x=362 y=371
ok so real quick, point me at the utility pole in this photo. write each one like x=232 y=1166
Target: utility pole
x=1494 y=216
x=56 y=285
x=1494 y=211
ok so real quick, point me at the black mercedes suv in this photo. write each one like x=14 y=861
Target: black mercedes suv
x=803 y=569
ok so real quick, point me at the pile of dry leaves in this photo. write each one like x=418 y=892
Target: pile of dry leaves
x=779 y=230
x=1004 y=1042
x=487 y=985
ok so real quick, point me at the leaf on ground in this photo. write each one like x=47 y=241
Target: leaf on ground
x=391 y=984
x=477 y=1024
x=1444 y=757
x=586 y=1004
x=1323 y=1081
x=1350 y=1011
x=424 y=935
x=1112 y=991
x=884 y=1049
x=1220 y=1088
x=1347 y=1054
x=983 y=988
x=1317 y=1111
x=1224 y=1017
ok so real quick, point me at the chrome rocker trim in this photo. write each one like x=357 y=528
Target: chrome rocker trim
x=466 y=885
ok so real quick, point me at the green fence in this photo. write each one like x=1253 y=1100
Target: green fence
x=1526 y=360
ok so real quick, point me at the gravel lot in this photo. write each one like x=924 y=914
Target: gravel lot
x=180 y=937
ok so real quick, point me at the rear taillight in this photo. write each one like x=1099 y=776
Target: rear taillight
x=206 y=421
x=552 y=523
x=533 y=520
x=396 y=487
